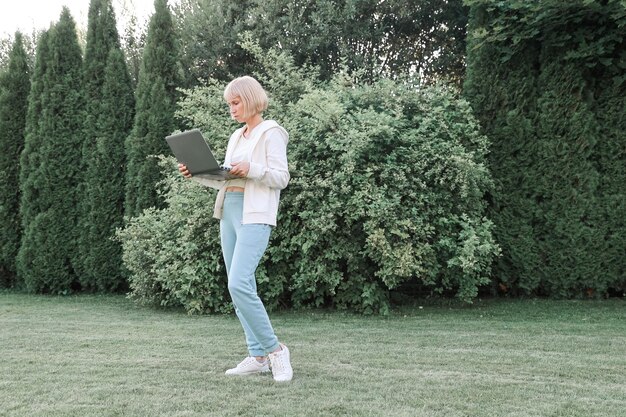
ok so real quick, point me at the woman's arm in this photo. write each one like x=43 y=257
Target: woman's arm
x=274 y=174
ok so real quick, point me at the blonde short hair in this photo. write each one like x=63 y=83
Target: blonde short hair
x=253 y=96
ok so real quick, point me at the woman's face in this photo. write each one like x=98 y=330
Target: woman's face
x=237 y=109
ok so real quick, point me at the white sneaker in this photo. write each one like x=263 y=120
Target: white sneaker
x=281 y=366
x=249 y=366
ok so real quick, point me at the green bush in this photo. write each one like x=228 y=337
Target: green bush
x=387 y=188
x=173 y=254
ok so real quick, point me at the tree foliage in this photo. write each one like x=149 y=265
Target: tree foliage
x=547 y=82
x=387 y=190
x=132 y=39
x=29 y=43
x=29 y=158
x=156 y=95
x=14 y=89
x=209 y=38
x=391 y=38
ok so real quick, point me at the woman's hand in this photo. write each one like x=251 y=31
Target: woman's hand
x=183 y=170
x=240 y=169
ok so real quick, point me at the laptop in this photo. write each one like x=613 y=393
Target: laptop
x=191 y=149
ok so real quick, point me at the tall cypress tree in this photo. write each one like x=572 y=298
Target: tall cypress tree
x=549 y=89
x=14 y=89
x=97 y=210
x=612 y=169
x=492 y=85
x=572 y=230
x=154 y=118
x=48 y=252
x=30 y=178
x=106 y=178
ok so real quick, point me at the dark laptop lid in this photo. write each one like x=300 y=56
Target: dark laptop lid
x=191 y=149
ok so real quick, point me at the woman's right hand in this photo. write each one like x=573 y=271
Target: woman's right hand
x=183 y=170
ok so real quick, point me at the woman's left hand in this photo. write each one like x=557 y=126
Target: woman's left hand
x=240 y=169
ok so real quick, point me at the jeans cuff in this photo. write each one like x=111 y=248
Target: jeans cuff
x=257 y=353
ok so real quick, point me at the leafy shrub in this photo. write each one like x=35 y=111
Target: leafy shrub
x=173 y=254
x=387 y=188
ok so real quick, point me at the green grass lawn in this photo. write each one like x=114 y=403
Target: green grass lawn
x=105 y=356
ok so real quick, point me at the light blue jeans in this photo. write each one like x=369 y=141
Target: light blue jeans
x=243 y=246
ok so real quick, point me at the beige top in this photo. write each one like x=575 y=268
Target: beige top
x=268 y=174
x=243 y=147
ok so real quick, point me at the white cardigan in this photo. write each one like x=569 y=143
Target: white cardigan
x=268 y=173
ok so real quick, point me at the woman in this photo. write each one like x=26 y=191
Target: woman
x=247 y=207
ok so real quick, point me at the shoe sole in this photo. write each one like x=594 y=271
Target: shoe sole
x=247 y=373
